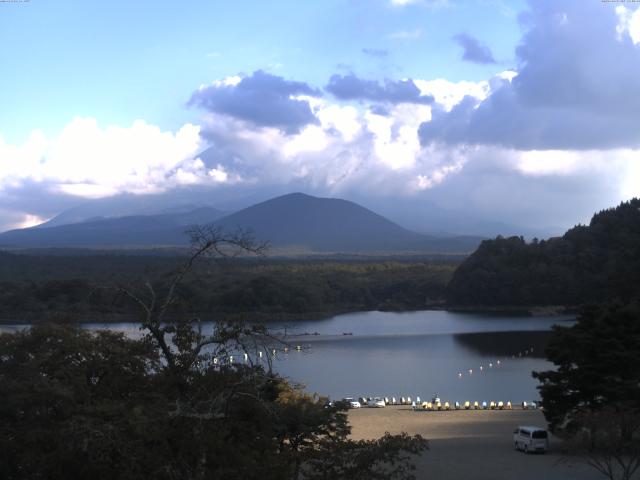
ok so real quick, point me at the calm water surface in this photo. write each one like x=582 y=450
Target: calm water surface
x=413 y=353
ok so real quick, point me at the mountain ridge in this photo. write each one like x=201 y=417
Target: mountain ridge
x=295 y=219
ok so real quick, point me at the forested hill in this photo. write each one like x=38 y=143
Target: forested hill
x=587 y=264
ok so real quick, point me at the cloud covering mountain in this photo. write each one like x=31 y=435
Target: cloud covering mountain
x=545 y=139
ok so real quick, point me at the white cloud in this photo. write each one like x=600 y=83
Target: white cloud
x=87 y=160
x=30 y=221
x=629 y=23
x=448 y=93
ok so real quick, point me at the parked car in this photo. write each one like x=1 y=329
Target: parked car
x=531 y=439
x=376 y=402
x=352 y=402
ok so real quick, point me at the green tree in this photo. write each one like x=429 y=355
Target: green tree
x=592 y=398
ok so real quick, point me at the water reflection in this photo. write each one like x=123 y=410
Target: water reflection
x=506 y=344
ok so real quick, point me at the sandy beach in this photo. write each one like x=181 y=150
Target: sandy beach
x=471 y=444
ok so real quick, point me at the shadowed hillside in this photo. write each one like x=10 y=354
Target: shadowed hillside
x=587 y=264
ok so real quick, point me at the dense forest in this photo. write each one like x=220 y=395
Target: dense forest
x=34 y=287
x=589 y=263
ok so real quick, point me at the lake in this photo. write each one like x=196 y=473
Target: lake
x=413 y=353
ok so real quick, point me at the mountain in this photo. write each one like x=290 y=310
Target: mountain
x=130 y=231
x=128 y=205
x=334 y=225
x=590 y=263
x=294 y=220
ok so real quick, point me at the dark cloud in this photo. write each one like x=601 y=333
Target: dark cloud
x=379 y=110
x=262 y=99
x=350 y=87
x=574 y=89
x=374 y=52
x=473 y=50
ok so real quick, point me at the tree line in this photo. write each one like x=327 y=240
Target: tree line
x=589 y=263
x=32 y=288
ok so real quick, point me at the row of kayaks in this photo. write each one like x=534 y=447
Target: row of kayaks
x=437 y=405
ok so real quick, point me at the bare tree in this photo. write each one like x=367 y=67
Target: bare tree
x=182 y=341
x=608 y=441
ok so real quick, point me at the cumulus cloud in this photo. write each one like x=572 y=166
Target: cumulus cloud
x=551 y=140
x=261 y=99
x=43 y=175
x=351 y=87
x=473 y=50
x=572 y=89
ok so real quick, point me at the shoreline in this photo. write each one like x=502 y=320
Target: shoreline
x=260 y=317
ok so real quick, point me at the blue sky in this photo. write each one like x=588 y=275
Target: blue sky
x=483 y=110
x=119 y=61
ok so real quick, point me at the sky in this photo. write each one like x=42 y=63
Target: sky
x=495 y=111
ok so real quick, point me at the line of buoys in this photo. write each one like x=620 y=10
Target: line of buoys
x=498 y=362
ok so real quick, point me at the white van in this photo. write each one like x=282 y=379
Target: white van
x=531 y=439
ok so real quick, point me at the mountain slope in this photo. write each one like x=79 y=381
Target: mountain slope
x=330 y=224
x=294 y=220
x=587 y=264
x=136 y=230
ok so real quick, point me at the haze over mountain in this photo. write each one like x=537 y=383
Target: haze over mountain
x=293 y=220
x=428 y=219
